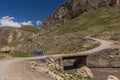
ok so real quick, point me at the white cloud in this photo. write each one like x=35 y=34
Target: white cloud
x=27 y=23
x=9 y=21
x=38 y=22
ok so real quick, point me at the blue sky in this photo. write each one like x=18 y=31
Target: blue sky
x=28 y=10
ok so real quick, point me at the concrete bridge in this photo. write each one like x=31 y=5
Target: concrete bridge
x=80 y=58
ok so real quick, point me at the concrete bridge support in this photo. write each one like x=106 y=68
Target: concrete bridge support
x=61 y=63
x=79 y=61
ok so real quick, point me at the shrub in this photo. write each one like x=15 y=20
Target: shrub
x=20 y=54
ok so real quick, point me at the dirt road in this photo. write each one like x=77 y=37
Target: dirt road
x=18 y=69
x=103 y=45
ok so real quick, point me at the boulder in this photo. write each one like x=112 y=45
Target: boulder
x=57 y=67
x=115 y=64
x=51 y=59
x=111 y=77
x=85 y=72
x=34 y=63
x=118 y=2
x=6 y=49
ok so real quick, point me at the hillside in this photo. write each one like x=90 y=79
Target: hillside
x=29 y=38
x=74 y=8
x=102 y=23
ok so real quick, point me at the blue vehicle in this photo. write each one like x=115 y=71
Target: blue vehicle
x=38 y=52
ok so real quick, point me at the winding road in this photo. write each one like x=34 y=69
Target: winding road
x=18 y=68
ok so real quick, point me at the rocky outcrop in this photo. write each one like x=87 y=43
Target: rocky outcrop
x=73 y=8
x=4 y=33
x=85 y=72
x=14 y=35
x=111 y=77
x=10 y=37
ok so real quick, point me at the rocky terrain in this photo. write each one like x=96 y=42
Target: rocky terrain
x=64 y=32
x=99 y=65
x=101 y=23
x=28 y=38
x=74 y=8
x=106 y=58
x=4 y=34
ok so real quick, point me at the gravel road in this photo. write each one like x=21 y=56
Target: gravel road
x=16 y=69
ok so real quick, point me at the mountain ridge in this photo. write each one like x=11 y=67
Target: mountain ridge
x=74 y=8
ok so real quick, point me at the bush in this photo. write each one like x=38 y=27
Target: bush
x=21 y=54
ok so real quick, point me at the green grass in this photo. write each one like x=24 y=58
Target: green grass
x=103 y=17
x=20 y=54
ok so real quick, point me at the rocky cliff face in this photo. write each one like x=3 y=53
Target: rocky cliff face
x=73 y=8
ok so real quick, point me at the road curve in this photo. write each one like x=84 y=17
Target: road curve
x=103 y=45
x=14 y=69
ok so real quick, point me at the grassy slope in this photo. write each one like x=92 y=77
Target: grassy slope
x=103 y=22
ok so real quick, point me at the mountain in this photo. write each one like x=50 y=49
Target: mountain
x=96 y=18
x=74 y=8
x=84 y=19
x=102 y=23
